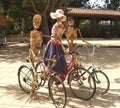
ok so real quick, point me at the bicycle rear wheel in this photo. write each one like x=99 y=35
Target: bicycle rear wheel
x=102 y=82
x=40 y=67
x=57 y=91
x=25 y=76
x=79 y=84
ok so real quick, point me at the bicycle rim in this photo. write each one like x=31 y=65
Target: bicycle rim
x=25 y=76
x=80 y=86
x=102 y=82
x=57 y=91
x=40 y=68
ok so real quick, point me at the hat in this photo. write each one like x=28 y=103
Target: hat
x=58 y=14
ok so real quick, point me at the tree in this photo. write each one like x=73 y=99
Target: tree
x=18 y=9
x=113 y=4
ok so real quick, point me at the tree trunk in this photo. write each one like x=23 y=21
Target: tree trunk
x=45 y=28
x=44 y=25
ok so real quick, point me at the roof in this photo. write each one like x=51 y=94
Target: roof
x=93 y=13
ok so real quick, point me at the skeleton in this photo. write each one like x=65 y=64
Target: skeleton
x=35 y=38
x=34 y=51
x=71 y=34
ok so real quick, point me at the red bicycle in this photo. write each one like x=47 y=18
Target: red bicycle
x=77 y=78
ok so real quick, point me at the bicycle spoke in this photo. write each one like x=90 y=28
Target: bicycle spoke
x=25 y=76
x=80 y=86
x=57 y=92
x=102 y=82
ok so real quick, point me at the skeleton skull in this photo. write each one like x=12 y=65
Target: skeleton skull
x=37 y=21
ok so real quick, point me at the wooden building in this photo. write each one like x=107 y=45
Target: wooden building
x=94 y=13
x=97 y=16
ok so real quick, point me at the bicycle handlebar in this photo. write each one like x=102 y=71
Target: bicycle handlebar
x=92 y=45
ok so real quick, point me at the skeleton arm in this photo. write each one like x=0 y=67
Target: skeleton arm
x=82 y=37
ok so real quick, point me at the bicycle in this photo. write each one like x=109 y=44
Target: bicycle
x=77 y=80
x=28 y=76
x=101 y=79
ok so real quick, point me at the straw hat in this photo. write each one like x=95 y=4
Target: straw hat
x=58 y=14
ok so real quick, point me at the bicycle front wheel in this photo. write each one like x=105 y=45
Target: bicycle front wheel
x=25 y=76
x=102 y=82
x=79 y=84
x=57 y=91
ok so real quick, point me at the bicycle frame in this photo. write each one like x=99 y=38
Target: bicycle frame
x=93 y=72
x=70 y=66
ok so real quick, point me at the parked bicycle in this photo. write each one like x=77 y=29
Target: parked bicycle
x=31 y=80
x=101 y=79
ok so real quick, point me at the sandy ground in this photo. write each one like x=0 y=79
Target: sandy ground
x=14 y=54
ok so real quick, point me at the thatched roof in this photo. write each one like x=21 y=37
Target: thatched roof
x=93 y=13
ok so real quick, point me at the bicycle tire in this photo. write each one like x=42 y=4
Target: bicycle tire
x=57 y=91
x=79 y=84
x=25 y=76
x=39 y=67
x=102 y=82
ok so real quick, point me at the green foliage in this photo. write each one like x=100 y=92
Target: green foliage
x=18 y=9
x=3 y=31
x=94 y=30
x=15 y=10
x=1 y=10
x=113 y=4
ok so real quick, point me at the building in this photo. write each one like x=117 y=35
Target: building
x=100 y=17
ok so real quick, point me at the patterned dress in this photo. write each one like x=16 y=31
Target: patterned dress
x=54 y=48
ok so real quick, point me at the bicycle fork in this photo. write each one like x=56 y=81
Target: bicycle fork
x=94 y=74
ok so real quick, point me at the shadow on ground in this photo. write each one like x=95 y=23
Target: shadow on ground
x=14 y=52
x=107 y=57
x=14 y=91
x=101 y=101
x=41 y=97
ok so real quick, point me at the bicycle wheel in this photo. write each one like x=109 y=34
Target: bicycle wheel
x=57 y=91
x=40 y=68
x=79 y=84
x=25 y=76
x=102 y=82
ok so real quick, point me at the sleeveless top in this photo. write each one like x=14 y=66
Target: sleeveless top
x=57 y=29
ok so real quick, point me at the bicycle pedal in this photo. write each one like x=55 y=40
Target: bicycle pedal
x=44 y=76
x=57 y=82
x=84 y=78
x=36 y=87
